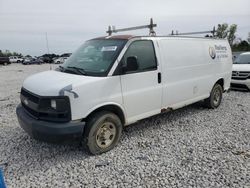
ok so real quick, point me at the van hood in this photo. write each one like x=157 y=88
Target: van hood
x=241 y=67
x=50 y=83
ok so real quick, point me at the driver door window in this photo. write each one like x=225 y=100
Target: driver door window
x=145 y=54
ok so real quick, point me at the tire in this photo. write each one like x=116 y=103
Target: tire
x=102 y=132
x=215 y=97
x=18 y=61
x=5 y=63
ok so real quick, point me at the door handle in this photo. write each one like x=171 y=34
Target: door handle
x=159 y=77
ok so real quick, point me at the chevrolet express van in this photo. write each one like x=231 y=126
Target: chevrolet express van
x=111 y=82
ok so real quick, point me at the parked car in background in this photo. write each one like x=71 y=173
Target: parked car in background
x=31 y=61
x=60 y=60
x=4 y=61
x=241 y=72
x=15 y=59
x=48 y=58
x=45 y=59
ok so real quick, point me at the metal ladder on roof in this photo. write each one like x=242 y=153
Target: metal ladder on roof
x=151 y=26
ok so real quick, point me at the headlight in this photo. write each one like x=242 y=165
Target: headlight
x=55 y=108
x=59 y=104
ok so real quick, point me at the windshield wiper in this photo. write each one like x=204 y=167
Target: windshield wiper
x=60 y=68
x=79 y=70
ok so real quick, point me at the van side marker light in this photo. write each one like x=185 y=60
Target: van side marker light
x=68 y=89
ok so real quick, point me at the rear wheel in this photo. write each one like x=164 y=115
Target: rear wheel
x=215 y=97
x=5 y=63
x=102 y=132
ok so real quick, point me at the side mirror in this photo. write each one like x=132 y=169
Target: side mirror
x=131 y=64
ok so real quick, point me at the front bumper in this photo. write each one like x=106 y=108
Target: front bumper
x=240 y=84
x=48 y=131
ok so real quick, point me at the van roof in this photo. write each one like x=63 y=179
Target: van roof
x=127 y=37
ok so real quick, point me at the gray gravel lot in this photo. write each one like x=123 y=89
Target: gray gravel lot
x=192 y=146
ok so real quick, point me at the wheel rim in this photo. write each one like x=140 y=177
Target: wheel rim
x=106 y=134
x=217 y=96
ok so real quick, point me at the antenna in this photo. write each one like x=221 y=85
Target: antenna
x=47 y=44
x=213 y=32
x=150 y=27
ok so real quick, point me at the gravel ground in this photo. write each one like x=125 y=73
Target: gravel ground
x=192 y=146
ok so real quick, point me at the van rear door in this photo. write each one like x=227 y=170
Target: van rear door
x=142 y=89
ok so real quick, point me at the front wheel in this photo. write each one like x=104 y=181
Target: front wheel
x=215 y=97
x=102 y=132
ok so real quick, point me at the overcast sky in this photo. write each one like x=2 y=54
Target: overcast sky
x=68 y=23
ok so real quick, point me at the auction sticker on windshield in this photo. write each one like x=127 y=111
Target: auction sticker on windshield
x=108 y=48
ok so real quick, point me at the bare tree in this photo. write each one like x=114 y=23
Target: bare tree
x=226 y=31
x=222 y=30
x=231 y=34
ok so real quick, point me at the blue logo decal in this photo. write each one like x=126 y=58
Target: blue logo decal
x=212 y=52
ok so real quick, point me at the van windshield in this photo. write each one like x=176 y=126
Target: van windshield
x=94 y=58
x=243 y=59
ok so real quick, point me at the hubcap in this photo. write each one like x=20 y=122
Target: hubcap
x=105 y=135
x=216 y=96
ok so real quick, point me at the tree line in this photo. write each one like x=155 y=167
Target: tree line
x=8 y=53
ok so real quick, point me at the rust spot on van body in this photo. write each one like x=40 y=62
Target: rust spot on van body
x=166 y=110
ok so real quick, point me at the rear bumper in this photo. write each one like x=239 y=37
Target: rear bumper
x=240 y=84
x=49 y=131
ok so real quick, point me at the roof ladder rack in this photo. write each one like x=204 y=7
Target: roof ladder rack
x=150 y=27
x=213 y=32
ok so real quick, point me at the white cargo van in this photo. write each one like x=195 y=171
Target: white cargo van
x=111 y=82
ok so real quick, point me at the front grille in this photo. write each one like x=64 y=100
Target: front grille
x=240 y=75
x=239 y=86
x=30 y=111
x=32 y=97
x=26 y=99
x=39 y=107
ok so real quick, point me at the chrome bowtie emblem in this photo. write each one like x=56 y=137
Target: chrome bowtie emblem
x=26 y=102
x=237 y=73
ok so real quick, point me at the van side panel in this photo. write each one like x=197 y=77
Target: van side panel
x=189 y=71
